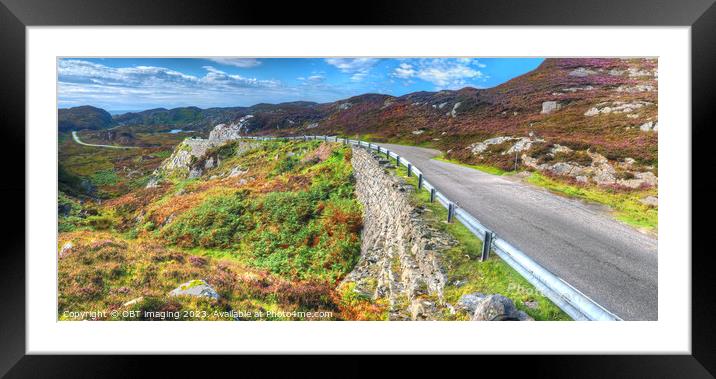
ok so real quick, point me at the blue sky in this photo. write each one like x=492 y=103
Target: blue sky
x=143 y=83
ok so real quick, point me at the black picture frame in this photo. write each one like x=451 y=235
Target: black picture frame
x=16 y=15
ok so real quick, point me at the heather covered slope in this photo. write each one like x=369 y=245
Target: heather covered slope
x=608 y=106
x=272 y=228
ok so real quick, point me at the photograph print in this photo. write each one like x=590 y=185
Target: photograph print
x=357 y=189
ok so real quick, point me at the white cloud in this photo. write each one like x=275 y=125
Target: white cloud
x=316 y=78
x=443 y=73
x=154 y=78
x=237 y=62
x=405 y=71
x=359 y=68
x=84 y=82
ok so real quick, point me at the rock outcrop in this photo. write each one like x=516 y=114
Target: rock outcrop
x=191 y=158
x=223 y=132
x=584 y=166
x=550 y=106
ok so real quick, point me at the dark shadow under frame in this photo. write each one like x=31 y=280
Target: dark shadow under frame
x=15 y=15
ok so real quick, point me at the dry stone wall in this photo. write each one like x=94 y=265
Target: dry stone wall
x=400 y=258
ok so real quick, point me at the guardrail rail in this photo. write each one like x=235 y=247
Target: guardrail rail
x=576 y=304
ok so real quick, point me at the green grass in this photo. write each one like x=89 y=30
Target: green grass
x=484 y=168
x=405 y=140
x=492 y=276
x=625 y=204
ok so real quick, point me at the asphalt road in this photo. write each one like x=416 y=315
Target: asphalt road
x=77 y=139
x=614 y=264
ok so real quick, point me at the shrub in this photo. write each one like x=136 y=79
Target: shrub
x=105 y=178
x=288 y=163
x=218 y=221
x=100 y=222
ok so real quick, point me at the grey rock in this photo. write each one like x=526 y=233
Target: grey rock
x=210 y=163
x=550 y=106
x=153 y=182
x=470 y=301
x=649 y=126
x=564 y=168
x=66 y=249
x=651 y=201
x=197 y=288
x=453 y=112
x=236 y=171
x=498 y=308
x=582 y=72
x=195 y=172
x=648 y=178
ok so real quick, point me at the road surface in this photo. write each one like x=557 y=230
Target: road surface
x=77 y=139
x=606 y=260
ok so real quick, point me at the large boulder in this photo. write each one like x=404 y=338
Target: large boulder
x=495 y=307
x=498 y=308
x=550 y=106
x=469 y=302
x=197 y=288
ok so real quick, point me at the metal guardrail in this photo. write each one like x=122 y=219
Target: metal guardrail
x=576 y=304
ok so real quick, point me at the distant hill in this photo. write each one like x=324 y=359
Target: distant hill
x=284 y=115
x=84 y=117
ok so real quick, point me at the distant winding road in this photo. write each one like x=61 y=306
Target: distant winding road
x=606 y=260
x=77 y=139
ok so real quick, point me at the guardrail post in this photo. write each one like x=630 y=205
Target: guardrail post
x=420 y=181
x=410 y=170
x=397 y=161
x=432 y=195
x=486 y=246
x=451 y=212
x=369 y=146
x=387 y=153
x=325 y=138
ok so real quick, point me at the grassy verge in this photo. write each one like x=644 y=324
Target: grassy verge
x=492 y=276
x=407 y=141
x=484 y=168
x=625 y=204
